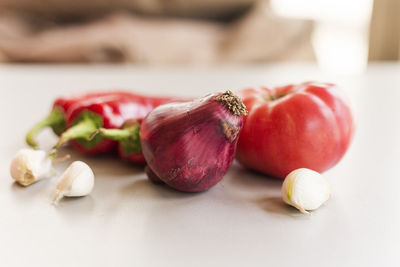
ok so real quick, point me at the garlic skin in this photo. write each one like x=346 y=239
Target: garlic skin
x=76 y=181
x=305 y=190
x=29 y=166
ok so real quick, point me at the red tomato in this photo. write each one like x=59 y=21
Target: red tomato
x=309 y=125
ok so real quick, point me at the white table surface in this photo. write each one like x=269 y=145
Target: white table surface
x=127 y=221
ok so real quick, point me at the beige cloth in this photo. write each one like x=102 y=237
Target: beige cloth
x=187 y=8
x=257 y=36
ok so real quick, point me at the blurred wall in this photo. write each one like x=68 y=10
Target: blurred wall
x=384 y=42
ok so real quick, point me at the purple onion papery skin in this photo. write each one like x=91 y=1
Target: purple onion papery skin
x=152 y=176
x=186 y=144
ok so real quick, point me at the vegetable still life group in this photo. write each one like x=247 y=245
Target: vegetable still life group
x=293 y=133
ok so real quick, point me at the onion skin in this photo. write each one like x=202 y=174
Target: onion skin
x=152 y=176
x=191 y=145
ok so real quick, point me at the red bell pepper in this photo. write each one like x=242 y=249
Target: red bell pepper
x=61 y=106
x=128 y=137
x=109 y=112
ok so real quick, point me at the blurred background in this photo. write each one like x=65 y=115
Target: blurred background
x=339 y=35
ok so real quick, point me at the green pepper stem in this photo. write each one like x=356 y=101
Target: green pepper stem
x=83 y=129
x=117 y=134
x=55 y=120
x=129 y=138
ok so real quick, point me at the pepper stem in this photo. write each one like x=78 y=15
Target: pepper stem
x=128 y=137
x=55 y=120
x=84 y=126
x=117 y=134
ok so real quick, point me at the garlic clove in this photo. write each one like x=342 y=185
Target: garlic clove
x=76 y=181
x=305 y=190
x=29 y=166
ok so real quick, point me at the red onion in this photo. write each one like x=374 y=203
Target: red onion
x=190 y=145
x=152 y=176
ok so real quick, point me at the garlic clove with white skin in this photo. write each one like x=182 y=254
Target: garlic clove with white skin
x=29 y=166
x=76 y=181
x=305 y=190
